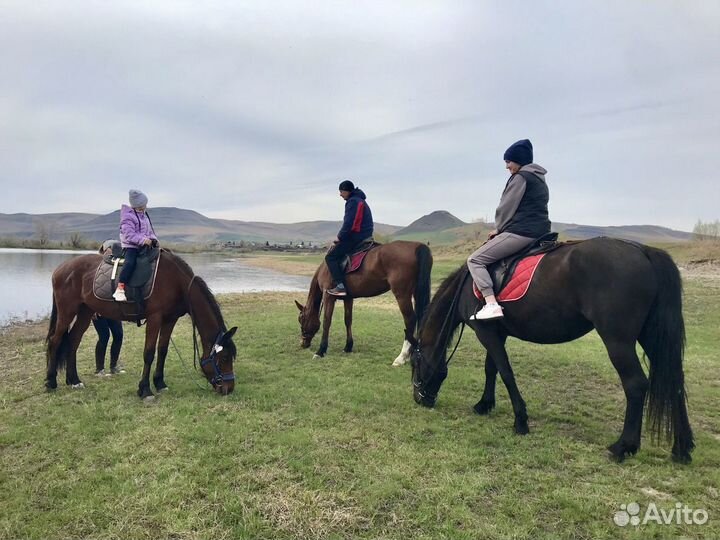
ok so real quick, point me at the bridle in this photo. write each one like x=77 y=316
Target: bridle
x=219 y=376
x=419 y=383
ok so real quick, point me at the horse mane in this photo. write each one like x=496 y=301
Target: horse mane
x=204 y=288
x=314 y=290
x=438 y=310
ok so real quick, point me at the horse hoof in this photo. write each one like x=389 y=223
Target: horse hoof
x=162 y=390
x=148 y=400
x=522 y=429
x=398 y=362
x=484 y=407
x=316 y=356
x=78 y=386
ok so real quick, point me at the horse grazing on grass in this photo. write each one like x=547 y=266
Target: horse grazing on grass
x=177 y=291
x=626 y=291
x=401 y=267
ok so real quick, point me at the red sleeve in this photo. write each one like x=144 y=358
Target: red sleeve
x=357 y=222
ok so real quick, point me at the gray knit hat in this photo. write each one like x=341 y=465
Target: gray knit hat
x=137 y=198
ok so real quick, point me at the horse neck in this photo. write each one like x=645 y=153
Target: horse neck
x=442 y=318
x=204 y=317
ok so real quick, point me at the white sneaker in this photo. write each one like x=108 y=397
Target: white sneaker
x=488 y=312
x=119 y=295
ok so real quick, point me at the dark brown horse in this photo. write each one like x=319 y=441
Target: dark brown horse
x=401 y=267
x=177 y=291
x=626 y=291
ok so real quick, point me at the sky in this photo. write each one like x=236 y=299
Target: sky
x=255 y=111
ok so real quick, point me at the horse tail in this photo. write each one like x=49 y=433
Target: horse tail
x=663 y=339
x=422 y=286
x=60 y=352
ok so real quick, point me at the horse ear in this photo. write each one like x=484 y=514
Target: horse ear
x=229 y=334
x=299 y=305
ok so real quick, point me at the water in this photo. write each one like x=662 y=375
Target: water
x=26 y=291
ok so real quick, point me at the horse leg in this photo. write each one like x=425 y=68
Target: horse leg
x=404 y=301
x=487 y=401
x=57 y=345
x=84 y=317
x=494 y=343
x=163 y=342
x=348 y=324
x=151 y=336
x=327 y=321
x=635 y=384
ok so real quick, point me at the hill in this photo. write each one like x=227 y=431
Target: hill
x=439 y=220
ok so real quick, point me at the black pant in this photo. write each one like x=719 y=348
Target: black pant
x=104 y=327
x=128 y=266
x=335 y=256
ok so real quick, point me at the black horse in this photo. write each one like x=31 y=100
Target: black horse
x=627 y=291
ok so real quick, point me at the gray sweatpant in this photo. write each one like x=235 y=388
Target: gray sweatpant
x=501 y=246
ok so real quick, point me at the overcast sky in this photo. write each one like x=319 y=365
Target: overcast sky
x=256 y=110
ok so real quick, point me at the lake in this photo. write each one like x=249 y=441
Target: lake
x=26 y=291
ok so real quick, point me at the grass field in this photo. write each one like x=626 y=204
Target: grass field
x=336 y=448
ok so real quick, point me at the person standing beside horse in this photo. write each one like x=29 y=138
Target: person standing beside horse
x=136 y=232
x=520 y=218
x=356 y=228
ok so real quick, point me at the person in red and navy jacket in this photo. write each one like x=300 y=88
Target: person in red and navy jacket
x=357 y=227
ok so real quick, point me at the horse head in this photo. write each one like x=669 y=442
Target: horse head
x=217 y=366
x=309 y=324
x=428 y=374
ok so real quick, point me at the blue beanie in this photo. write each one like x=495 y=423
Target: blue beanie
x=520 y=152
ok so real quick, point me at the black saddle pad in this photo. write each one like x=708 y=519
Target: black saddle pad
x=502 y=270
x=141 y=283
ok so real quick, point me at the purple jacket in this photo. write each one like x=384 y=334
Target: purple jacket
x=135 y=227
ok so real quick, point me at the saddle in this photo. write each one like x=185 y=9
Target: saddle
x=142 y=281
x=503 y=272
x=353 y=260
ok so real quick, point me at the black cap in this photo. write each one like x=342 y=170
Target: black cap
x=346 y=185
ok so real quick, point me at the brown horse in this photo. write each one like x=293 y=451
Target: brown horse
x=177 y=291
x=628 y=292
x=401 y=267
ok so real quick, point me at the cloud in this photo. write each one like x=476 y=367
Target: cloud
x=256 y=111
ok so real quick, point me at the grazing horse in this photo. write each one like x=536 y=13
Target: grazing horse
x=177 y=291
x=626 y=291
x=401 y=267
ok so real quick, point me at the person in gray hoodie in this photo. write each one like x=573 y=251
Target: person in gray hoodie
x=520 y=218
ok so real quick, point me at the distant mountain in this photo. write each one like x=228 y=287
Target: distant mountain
x=439 y=220
x=179 y=225
x=637 y=233
x=174 y=225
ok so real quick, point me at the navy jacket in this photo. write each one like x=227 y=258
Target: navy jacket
x=358 y=222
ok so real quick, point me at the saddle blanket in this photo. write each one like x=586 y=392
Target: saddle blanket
x=141 y=283
x=519 y=283
x=356 y=260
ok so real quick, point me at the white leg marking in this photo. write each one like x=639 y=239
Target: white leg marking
x=404 y=355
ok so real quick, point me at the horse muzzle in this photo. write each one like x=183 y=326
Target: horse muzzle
x=424 y=399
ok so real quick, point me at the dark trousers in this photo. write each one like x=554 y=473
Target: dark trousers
x=128 y=266
x=335 y=256
x=104 y=327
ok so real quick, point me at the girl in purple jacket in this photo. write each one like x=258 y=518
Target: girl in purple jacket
x=136 y=232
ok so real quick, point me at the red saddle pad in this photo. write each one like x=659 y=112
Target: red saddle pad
x=519 y=282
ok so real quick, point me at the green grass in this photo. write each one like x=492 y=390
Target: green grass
x=336 y=448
